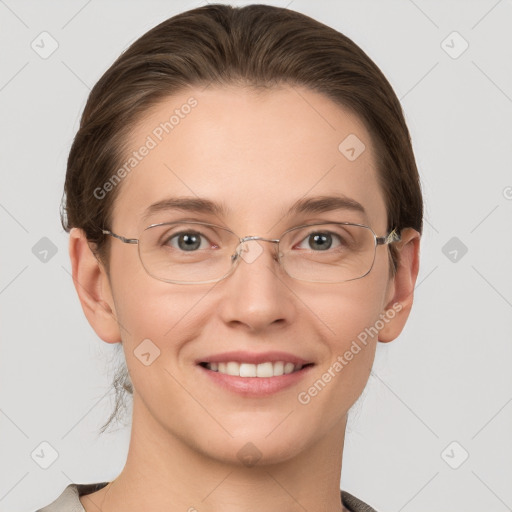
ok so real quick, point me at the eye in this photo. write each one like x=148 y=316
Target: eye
x=187 y=241
x=322 y=241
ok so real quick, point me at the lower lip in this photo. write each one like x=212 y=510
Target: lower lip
x=255 y=386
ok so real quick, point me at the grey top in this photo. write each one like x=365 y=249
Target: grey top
x=68 y=501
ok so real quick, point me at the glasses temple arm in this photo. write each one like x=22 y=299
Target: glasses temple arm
x=119 y=237
x=394 y=236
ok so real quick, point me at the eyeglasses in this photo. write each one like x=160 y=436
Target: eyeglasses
x=197 y=252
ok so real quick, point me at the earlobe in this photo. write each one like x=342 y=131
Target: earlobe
x=402 y=287
x=93 y=288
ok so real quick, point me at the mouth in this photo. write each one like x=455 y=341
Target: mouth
x=254 y=374
x=261 y=370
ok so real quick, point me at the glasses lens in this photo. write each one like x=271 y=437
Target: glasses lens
x=328 y=253
x=187 y=252
x=190 y=252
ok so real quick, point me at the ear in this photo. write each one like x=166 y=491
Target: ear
x=401 y=287
x=93 y=287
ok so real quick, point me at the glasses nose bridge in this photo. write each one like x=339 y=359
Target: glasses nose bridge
x=245 y=238
x=241 y=242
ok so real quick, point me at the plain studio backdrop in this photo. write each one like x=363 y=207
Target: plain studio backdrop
x=432 y=430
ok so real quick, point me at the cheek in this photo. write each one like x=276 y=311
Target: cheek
x=145 y=306
x=153 y=333
x=154 y=310
x=349 y=316
x=347 y=309
x=157 y=320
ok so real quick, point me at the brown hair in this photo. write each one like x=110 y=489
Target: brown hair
x=256 y=45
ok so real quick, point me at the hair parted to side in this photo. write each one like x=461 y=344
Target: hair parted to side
x=256 y=46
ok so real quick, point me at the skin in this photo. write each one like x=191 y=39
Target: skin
x=258 y=152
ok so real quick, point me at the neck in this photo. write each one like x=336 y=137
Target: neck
x=163 y=472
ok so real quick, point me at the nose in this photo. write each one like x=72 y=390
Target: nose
x=257 y=293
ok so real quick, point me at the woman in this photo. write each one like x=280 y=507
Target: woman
x=245 y=214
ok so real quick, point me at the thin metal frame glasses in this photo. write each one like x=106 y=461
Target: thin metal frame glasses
x=240 y=246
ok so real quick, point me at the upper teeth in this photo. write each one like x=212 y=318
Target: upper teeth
x=254 y=370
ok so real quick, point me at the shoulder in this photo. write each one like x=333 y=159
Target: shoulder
x=68 y=500
x=354 y=504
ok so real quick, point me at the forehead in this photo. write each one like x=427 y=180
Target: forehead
x=255 y=152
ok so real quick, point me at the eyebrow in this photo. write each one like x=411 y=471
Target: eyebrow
x=320 y=204
x=309 y=205
x=189 y=204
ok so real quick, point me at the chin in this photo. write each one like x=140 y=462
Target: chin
x=255 y=447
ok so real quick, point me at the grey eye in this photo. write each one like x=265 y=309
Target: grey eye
x=321 y=241
x=186 y=241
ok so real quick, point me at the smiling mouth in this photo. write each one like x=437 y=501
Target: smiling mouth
x=265 y=370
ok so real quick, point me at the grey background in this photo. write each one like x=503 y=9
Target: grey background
x=446 y=379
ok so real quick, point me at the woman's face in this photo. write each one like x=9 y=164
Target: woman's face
x=256 y=154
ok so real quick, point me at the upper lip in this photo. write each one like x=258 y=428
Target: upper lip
x=240 y=356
